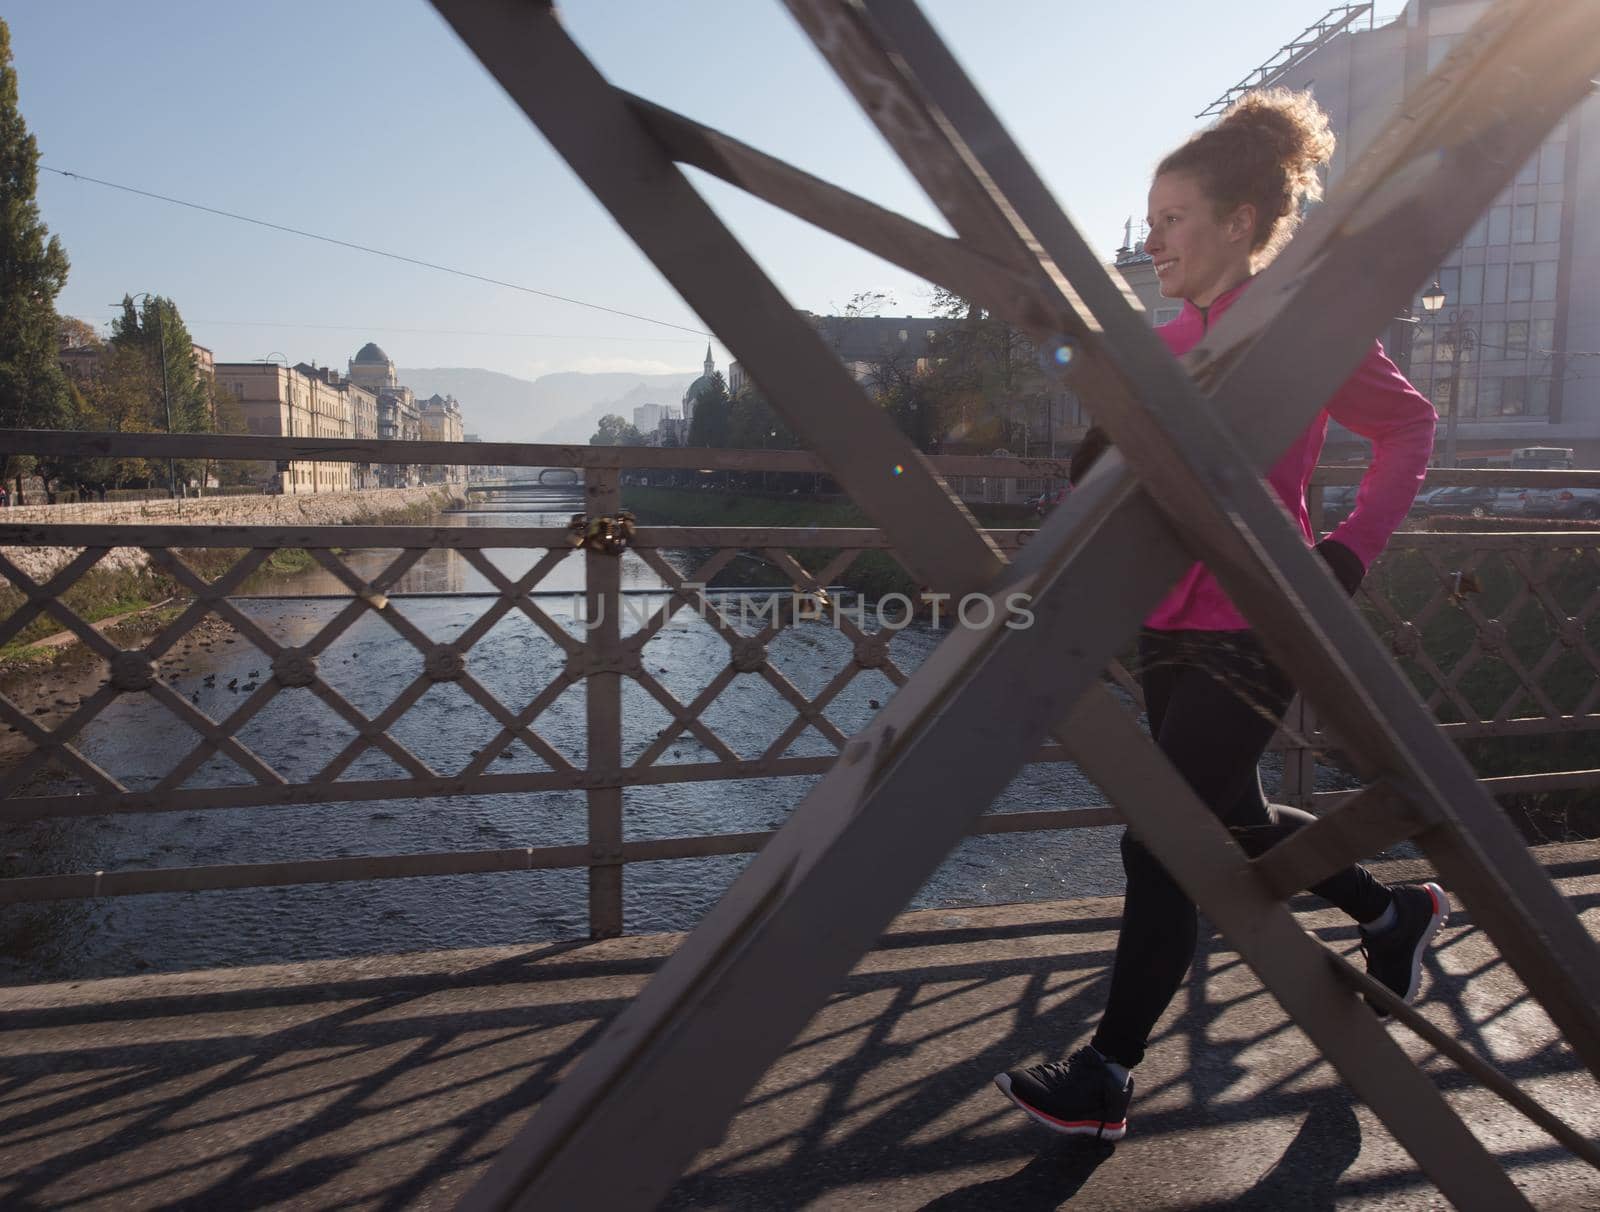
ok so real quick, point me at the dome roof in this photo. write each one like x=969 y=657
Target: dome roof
x=370 y=353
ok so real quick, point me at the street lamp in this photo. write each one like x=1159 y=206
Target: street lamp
x=1463 y=339
x=166 y=391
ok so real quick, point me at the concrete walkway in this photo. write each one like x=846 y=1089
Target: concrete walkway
x=390 y=1082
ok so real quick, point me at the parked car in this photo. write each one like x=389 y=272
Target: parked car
x=1509 y=502
x=1473 y=500
x=1338 y=501
x=1419 y=503
x=1562 y=502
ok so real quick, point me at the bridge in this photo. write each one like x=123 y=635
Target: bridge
x=800 y=1044
x=538 y=477
x=885 y=1096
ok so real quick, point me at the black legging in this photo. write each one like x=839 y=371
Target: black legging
x=1214 y=700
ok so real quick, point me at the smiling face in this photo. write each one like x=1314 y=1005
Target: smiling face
x=1197 y=255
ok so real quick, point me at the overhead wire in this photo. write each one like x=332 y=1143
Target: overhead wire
x=377 y=252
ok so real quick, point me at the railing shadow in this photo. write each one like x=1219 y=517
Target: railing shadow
x=393 y=1087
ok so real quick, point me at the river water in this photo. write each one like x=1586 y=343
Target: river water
x=370 y=664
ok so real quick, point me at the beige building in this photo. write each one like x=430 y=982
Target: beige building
x=279 y=401
x=439 y=418
x=360 y=405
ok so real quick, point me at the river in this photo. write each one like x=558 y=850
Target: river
x=370 y=664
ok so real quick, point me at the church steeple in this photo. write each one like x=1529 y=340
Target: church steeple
x=710 y=366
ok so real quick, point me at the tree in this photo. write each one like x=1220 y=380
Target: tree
x=33 y=270
x=712 y=414
x=614 y=431
x=156 y=332
x=156 y=329
x=73 y=333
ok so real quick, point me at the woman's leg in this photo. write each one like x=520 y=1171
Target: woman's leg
x=1210 y=728
x=1214 y=702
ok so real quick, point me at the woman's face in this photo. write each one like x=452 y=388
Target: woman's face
x=1197 y=255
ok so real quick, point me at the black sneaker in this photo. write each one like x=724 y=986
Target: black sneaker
x=1395 y=956
x=1076 y=1097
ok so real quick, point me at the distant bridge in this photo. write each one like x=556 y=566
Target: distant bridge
x=540 y=477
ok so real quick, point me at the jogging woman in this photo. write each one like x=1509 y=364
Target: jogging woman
x=1221 y=206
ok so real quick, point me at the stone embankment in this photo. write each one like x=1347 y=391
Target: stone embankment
x=309 y=509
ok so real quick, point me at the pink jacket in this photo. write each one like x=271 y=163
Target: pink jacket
x=1376 y=402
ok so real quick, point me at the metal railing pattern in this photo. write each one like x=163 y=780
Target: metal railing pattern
x=1549 y=592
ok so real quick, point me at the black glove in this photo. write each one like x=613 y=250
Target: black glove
x=1346 y=564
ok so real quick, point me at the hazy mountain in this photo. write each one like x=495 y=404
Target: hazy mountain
x=562 y=407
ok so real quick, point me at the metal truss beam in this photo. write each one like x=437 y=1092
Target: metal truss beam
x=893 y=806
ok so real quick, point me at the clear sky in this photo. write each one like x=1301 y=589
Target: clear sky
x=368 y=121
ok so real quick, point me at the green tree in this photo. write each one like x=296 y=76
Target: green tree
x=155 y=331
x=33 y=269
x=710 y=425
x=614 y=431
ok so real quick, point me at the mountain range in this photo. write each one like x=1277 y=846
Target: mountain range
x=565 y=407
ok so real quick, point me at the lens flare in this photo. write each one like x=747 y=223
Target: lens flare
x=1063 y=354
x=896 y=470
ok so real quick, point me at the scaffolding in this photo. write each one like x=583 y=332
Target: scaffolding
x=1338 y=19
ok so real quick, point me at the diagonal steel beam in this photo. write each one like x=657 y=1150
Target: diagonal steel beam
x=595 y=129
x=720 y=966
x=1183 y=449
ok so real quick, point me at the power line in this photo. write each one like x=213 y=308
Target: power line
x=377 y=252
x=435 y=332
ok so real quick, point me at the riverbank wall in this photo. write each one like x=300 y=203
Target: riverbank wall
x=370 y=507
x=124 y=581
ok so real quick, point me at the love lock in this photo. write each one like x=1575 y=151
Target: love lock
x=294 y=667
x=605 y=534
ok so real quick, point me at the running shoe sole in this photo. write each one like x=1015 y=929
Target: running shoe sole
x=1081 y=1127
x=1441 y=914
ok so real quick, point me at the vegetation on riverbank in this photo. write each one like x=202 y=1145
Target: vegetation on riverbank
x=107 y=592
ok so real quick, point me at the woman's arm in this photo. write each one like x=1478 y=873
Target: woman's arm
x=1378 y=403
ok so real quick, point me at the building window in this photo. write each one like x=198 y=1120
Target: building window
x=1522 y=224
x=1539 y=397
x=1478 y=234
x=1489 y=398
x=1499 y=225
x=1521 y=286
x=1544 y=336
x=1472 y=284
x=1548 y=228
x=1553 y=163
x=1528 y=174
x=1492 y=340
x=1494 y=283
x=1514 y=396
x=1544 y=280
x=1516 y=340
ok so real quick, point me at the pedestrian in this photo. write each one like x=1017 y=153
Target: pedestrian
x=1220 y=207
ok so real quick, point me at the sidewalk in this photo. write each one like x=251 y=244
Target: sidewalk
x=389 y=1082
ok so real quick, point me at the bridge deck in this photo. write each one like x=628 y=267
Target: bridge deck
x=389 y=1082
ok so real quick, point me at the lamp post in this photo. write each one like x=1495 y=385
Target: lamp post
x=166 y=391
x=1463 y=339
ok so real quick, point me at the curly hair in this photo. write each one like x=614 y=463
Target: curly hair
x=1265 y=151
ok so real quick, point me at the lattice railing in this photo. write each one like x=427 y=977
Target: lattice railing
x=1516 y=658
